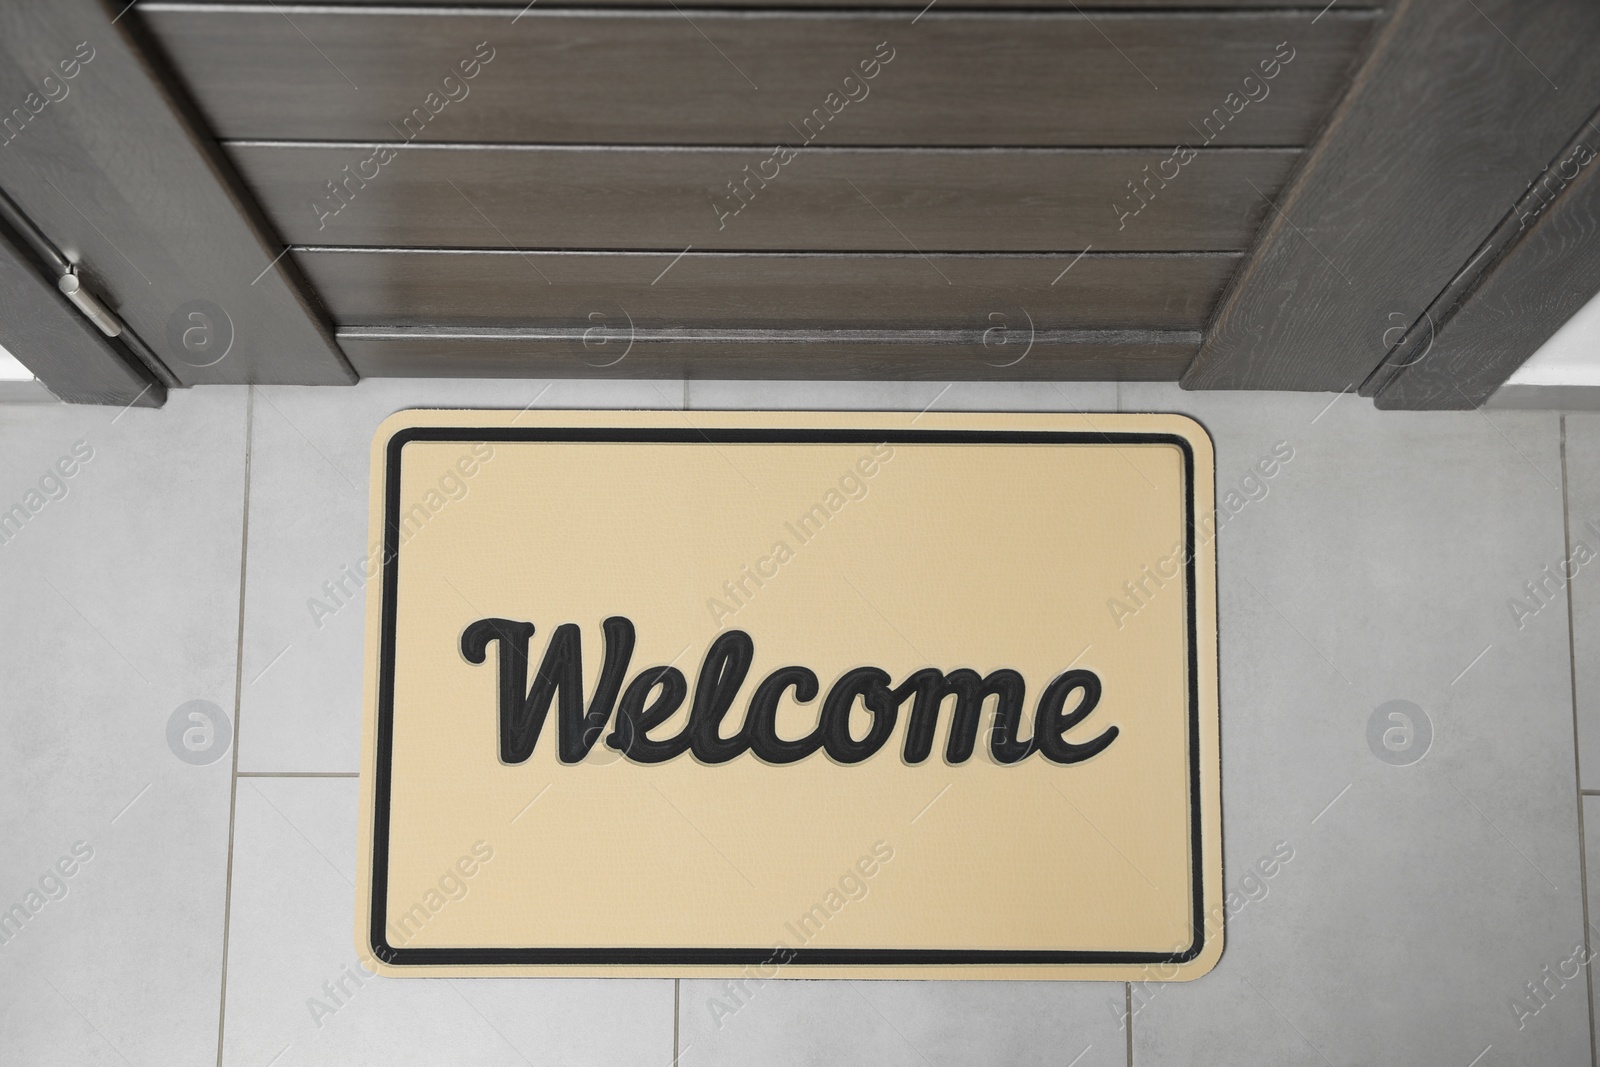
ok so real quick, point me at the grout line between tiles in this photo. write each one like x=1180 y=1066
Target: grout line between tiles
x=1577 y=759
x=238 y=696
x=1127 y=987
x=675 y=981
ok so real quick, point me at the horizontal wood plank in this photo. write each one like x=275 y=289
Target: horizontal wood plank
x=613 y=291
x=927 y=200
x=849 y=355
x=707 y=76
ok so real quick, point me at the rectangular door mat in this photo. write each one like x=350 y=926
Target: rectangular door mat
x=798 y=694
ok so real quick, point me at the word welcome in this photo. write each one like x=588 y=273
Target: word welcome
x=855 y=90
x=852 y=886
x=451 y=886
x=343 y=191
x=52 y=887
x=850 y=488
x=1547 y=586
x=1255 y=90
x=451 y=486
x=52 y=486
x=55 y=91
x=522 y=710
x=1249 y=490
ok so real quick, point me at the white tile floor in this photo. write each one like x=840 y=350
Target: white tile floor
x=211 y=922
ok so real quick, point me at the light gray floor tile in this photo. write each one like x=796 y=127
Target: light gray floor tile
x=291 y=946
x=1583 y=525
x=120 y=603
x=301 y=703
x=902 y=1024
x=1420 y=899
x=903 y=396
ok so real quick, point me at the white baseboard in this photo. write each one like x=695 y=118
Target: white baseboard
x=28 y=392
x=1546 y=397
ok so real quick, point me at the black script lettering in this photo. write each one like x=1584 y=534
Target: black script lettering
x=523 y=708
x=761 y=723
x=1050 y=725
x=872 y=686
x=655 y=694
x=726 y=665
x=931 y=686
x=631 y=736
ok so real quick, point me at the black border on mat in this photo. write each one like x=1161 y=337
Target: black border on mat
x=377 y=934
